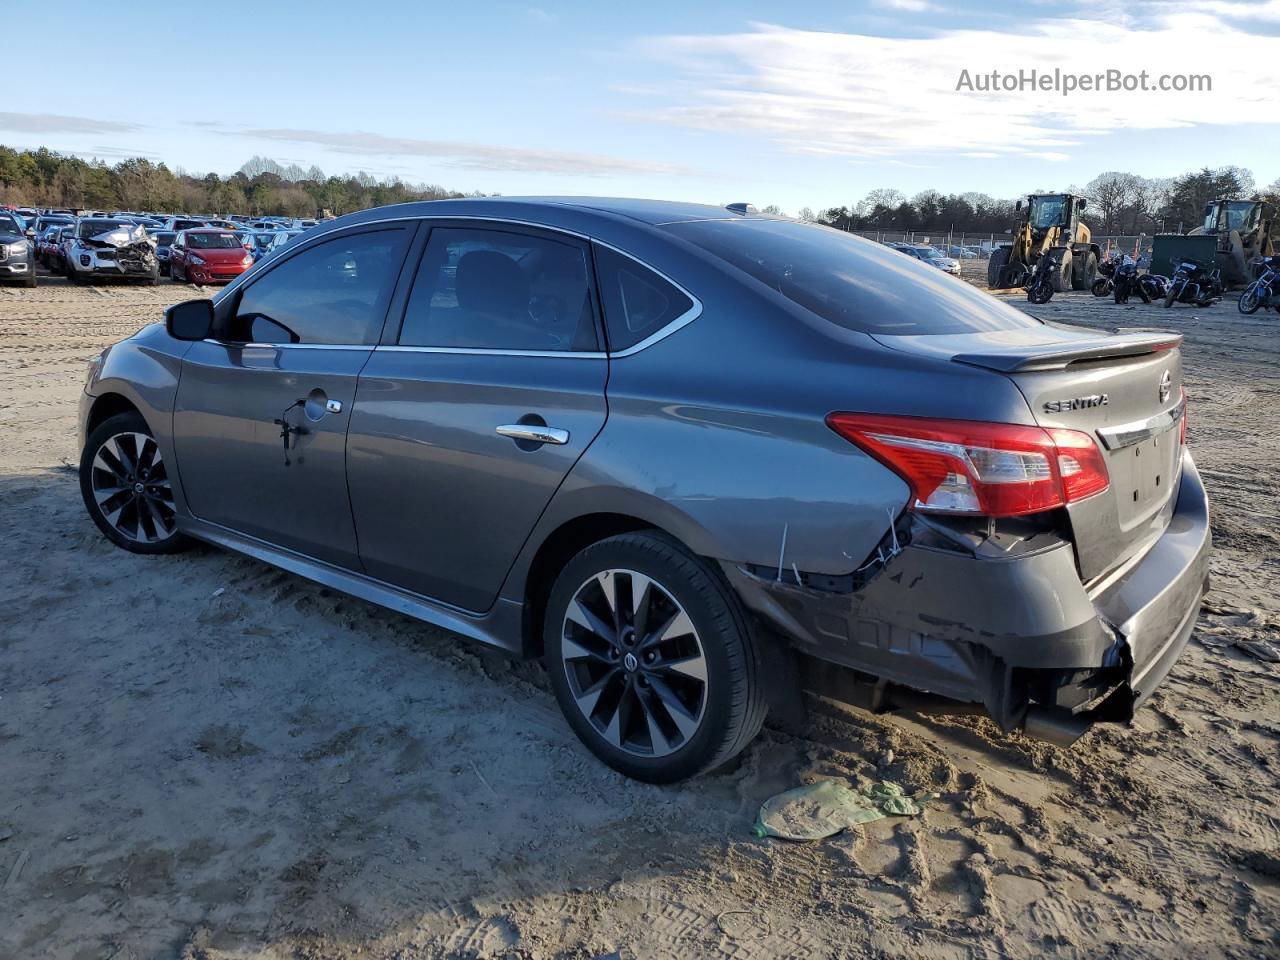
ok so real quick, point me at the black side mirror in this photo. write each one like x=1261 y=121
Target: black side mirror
x=1018 y=205
x=1083 y=203
x=190 y=320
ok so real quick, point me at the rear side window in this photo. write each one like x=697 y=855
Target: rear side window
x=480 y=289
x=637 y=302
x=852 y=282
x=335 y=292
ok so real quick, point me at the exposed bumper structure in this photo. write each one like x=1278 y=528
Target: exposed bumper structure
x=1011 y=629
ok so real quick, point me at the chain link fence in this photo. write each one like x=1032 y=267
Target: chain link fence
x=965 y=245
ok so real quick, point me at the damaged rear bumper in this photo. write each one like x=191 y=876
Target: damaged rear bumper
x=1015 y=631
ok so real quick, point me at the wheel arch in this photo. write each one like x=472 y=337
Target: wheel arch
x=108 y=405
x=560 y=546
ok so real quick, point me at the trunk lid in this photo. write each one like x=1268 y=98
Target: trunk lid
x=1124 y=390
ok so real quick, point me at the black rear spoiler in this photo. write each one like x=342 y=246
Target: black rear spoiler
x=1056 y=356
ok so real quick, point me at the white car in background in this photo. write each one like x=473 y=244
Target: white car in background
x=110 y=247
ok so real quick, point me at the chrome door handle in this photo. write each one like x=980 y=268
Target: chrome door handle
x=333 y=406
x=536 y=434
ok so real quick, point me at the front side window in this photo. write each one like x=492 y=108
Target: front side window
x=335 y=292
x=484 y=289
x=637 y=302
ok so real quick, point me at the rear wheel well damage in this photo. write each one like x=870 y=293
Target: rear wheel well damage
x=105 y=407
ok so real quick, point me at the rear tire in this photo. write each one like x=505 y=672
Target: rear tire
x=1084 y=280
x=1101 y=287
x=663 y=686
x=126 y=487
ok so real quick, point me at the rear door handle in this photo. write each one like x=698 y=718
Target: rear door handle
x=534 y=433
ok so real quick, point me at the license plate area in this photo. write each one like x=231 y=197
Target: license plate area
x=1142 y=475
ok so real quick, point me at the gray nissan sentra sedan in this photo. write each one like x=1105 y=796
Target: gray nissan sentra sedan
x=698 y=459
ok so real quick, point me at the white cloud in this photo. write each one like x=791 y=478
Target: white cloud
x=908 y=6
x=470 y=156
x=860 y=96
x=59 y=123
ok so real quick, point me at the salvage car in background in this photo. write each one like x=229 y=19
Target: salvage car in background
x=695 y=459
x=164 y=240
x=208 y=255
x=106 y=248
x=932 y=257
x=17 y=253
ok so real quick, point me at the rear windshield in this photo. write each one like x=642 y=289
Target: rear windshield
x=213 y=241
x=852 y=282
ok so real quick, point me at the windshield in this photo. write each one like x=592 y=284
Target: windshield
x=10 y=223
x=1046 y=212
x=855 y=283
x=164 y=237
x=265 y=241
x=1241 y=215
x=213 y=241
x=91 y=228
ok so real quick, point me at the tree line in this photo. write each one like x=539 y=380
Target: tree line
x=48 y=179
x=1120 y=204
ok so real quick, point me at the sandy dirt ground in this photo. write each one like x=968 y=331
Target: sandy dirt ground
x=206 y=758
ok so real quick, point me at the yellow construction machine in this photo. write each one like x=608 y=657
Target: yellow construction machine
x=1051 y=228
x=1232 y=236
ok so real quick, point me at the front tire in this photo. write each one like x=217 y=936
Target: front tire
x=999 y=259
x=126 y=487
x=1171 y=294
x=1251 y=299
x=651 y=658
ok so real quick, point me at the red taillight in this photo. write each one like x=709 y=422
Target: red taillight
x=1182 y=423
x=967 y=466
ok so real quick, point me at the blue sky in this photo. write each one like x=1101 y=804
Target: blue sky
x=800 y=104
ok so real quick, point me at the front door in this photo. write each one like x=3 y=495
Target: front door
x=261 y=417
x=466 y=423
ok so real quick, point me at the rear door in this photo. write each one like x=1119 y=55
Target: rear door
x=471 y=414
x=261 y=417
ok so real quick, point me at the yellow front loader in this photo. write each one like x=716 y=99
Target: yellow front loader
x=1051 y=228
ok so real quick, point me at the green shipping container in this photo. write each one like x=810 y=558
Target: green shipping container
x=1170 y=249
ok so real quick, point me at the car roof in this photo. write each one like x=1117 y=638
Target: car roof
x=652 y=212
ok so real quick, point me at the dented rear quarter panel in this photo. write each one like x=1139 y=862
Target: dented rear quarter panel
x=717 y=434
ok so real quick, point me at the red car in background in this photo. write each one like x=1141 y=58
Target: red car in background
x=207 y=255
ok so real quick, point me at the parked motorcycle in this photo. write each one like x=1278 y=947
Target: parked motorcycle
x=1126 y=283
x=1194 y=283
x=1265 y=289
x=1106 y=274
x=1040 y=283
